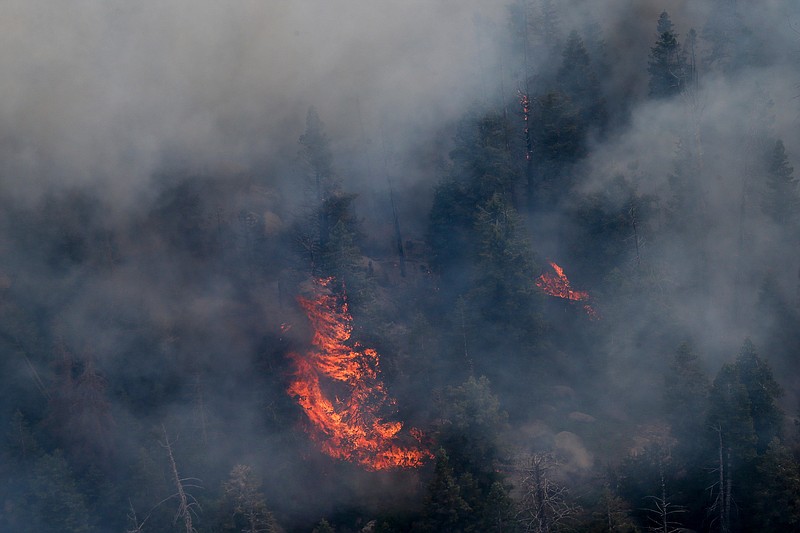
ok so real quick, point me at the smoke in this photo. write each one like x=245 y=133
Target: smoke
x=148 y=162
x=104 y=95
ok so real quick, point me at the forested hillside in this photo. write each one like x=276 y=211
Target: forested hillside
x=436 y=266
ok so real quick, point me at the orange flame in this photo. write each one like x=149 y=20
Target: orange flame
x=558 y=286
x=348 y=426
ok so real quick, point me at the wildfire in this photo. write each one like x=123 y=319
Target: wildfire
x=338 y=385
x=558 y=285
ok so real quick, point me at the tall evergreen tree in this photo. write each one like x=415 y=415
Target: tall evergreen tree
x=762 y=394
x=667 y=65
x=558 y=139
x=445 y=508
x=685 y=397
x=776 y=498
x=781 y=202
x=472 y=420
x=504 y=269
x=732 y=443
x=577 y=79
x=316 y=156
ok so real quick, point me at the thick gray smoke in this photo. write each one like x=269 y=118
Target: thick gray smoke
x=103 y=94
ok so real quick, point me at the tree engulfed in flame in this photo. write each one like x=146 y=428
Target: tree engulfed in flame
x=338 y=385
x=558 y=285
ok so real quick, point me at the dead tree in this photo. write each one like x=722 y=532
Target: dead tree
x=544 y=504
x=187 y=504
x=662 y=512
x=723 y=485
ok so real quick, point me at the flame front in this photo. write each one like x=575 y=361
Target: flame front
x=558 y=285
x=349 y=426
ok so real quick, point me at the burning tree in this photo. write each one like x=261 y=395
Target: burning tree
x=338 y=385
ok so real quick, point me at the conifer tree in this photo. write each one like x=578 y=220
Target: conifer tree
x=667 y=66
x=577 y=79
x=763 y=392
x=685 y=397
x=776 y=498
x=445 y=509
x=781 y=200
x=504 y=267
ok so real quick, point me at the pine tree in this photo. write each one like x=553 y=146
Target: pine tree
x=469 y=434
x=776 y=495
x=53 y=502
x=248 y=503
x=763 y=393
x=667 y=65
x=445 y=509
x=316 y=156
x=732 y=440
x=558 y=137
x=781 y=201
x=504 y=268
x=685 y=397
x=577 y=79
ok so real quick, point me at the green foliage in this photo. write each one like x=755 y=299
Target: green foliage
x=558 y=137
x=482 y=157
x=21 y=443
x=610 y=225
x=51 y=501
x=781 y=202
x=777 y=492
x=445 y=510
x=250 y=513
x=472 y=422
x=576 y=78
x=763 y=393
x=503 y=286
x=316 y=154
x=686 y=389
x=471 y=491
x=729 y=415
x=450 y=224
x=323 y=527
x=340 y=256
x=667 y=64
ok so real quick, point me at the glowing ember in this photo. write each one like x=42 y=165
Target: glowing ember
x=525 y=103
x=558 y=285
x=349 y=426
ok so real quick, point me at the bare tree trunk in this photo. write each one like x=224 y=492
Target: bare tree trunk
x=723 y=499
x=632 y=213
x=185 y=500
x=728 y=483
